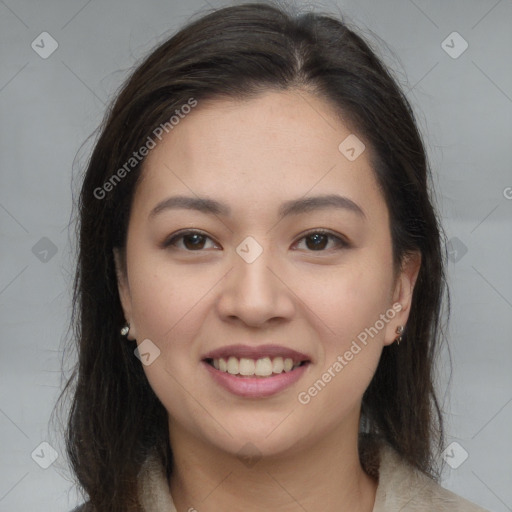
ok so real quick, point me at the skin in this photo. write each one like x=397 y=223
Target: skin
x=253 y=155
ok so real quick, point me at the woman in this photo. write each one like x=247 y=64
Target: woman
x=260 y=280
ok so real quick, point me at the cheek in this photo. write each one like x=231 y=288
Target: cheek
x=350 y=302
x=350 y=305
x=164 y=298
x=169 y=306
x=347 y=299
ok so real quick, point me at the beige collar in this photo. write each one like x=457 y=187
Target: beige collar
x=401 y=487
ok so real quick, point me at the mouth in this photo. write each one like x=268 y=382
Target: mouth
x=263 y=367
x=255 y=361
x=255 y=372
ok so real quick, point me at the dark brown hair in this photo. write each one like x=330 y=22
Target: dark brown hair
x=115 y=418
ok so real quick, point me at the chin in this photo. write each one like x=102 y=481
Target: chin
x=257 y=434
x=256 y=446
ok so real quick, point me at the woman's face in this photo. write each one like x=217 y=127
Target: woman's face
x=259 y=284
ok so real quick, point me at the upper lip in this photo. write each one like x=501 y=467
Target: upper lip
x=256 y=352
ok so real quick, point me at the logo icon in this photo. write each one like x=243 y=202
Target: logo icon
x=147 y=352
x=249 y=250
x=44 y=455
x=456 y=249
x=454 y=45
x=454 y=455
x=351 y=147
x=44 y=45
x=249 y=455
x=44 y=250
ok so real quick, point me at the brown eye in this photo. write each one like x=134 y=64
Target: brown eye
x=319 y=240
x=191 y=241
x=194 y=241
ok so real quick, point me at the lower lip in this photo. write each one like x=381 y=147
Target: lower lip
x=256 y=387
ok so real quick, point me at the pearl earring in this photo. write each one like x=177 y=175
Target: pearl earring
x=399 y=331
x=125 y=330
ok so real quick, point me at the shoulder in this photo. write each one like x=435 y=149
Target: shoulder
x=402 y=487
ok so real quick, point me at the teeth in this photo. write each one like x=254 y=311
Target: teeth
x=288 y=364
x=262 y=367
x=277 y=365
x=233 y=365
x=246 y=366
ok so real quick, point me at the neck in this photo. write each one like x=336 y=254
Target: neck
x=326 y=475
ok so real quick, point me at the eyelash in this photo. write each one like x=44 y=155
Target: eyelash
x=340 y=242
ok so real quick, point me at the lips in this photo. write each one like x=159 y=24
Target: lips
x=255 y=353
x=245 y=360
x=255 y=372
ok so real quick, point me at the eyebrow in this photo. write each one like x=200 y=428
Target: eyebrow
x=292 y=207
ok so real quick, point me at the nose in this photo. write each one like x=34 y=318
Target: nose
x=255 y=293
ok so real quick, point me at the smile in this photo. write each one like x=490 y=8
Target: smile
x=262 y=367
x=250 y=371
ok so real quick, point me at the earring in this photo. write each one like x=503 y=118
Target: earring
x=125 y=330
x=399 y=331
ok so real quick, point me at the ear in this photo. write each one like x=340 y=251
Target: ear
x=124 y=289
x=402 y=295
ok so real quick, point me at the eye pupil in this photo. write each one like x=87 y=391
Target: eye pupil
x=198 y=240
x=319 y=241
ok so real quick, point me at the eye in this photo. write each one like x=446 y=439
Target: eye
x=317 y=240
x=192 y=240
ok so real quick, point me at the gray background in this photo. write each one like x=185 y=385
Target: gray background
x=50 y=106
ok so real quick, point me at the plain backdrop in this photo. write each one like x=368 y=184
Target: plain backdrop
x=453 y=59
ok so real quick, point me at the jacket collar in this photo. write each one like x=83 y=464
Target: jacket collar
x=400 y=487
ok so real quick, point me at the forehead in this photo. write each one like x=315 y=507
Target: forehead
x=276 y=146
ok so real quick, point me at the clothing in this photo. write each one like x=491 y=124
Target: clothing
x=401 y=487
